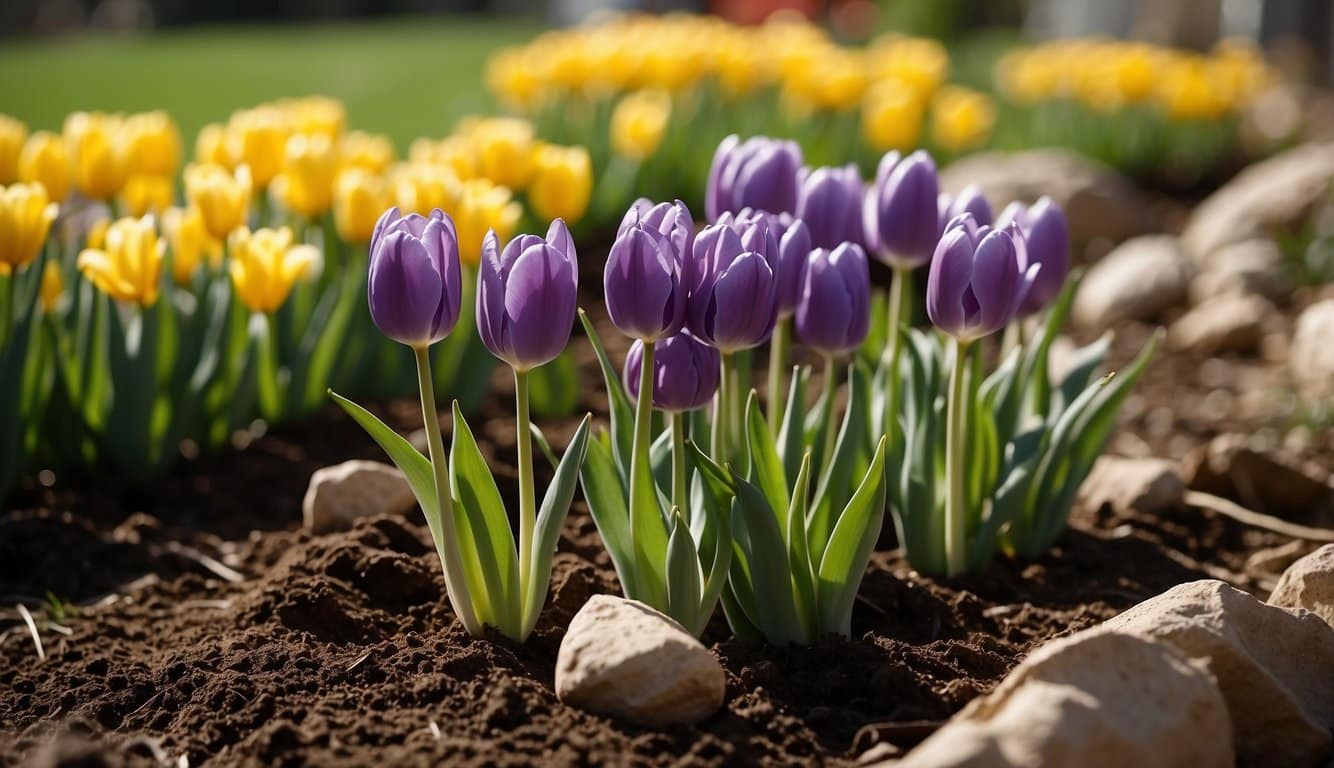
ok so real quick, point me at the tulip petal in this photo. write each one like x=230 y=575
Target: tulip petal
x=405 y=290
x=948 y=281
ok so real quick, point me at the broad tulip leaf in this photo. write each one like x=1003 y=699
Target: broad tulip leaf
x=683 y=578
x=850 y=546
x=486 y=541
x=759 y=567
x=410 y=461
x=798 y=555
x=605 y=496
x=766 y=468
x=620 y=412
x=550 y=518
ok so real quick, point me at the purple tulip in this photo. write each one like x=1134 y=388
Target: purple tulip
x=685 y=372
x=646 y=269
x=834 y=313
x=526 y=296
x=969 y=200
x=830 y=202
x=414 y=285
x=733 y=302
x=901 y=210
x=1047 y=238
x=979 y=278
x=794 y=246
x=758 y=173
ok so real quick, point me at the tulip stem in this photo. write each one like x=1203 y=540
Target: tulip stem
x=830 y=423
x=724 y=418
x=443 y=530
x=779 y=353
x=898 y=289
x=680 y=491
x=956 y=434
x=9 y=310
x=639 y=453
x=527 y=503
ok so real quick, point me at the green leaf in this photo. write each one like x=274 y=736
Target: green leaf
x=1083 y=363
x=619 y=411
x=486 y=541
x=850 y=547
x=791 y=436
x=766 y=468
x=760 y=579
x=798 y=555
x=605 y=495
x=714 y=537
x=410 y=461
x=550 y=519
x=836 y=482
x=542 y=444
x=683 y=579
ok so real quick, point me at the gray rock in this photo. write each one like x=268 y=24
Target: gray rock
x=1275 y=194
x=624 y=659
x=1274 y=666
x=1232 y=322
x=1096 y=699
x=1311 y=355
x=1250 y=266
x=1136 y=281
x=1145 y=485
x=1309 y=583
x=337 y=496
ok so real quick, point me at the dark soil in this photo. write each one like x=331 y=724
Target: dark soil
x=342 y=650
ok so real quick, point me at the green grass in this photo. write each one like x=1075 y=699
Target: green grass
x=406 y=77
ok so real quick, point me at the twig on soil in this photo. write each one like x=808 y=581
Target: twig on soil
x=204 y=561
x=358 y=662
x=32 y=630
x=435 y=731
x=214 y=605
x=1229 y=508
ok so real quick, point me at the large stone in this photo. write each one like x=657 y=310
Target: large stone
x=1098 y=201
x=1096 y=699
x=1272 y=195
x=1268 y=481
x=1144 y=485
x=1309 y=583
x=1233 y=322
x=1136 y=281
x=624 y=659
x=1311 y=355
x=1250 y=266
x=337 y=496
x=1274 y=666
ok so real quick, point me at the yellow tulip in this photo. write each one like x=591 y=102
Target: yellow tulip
x=453 y=152
x=562 y=183
x=147 y=194
x=360 y=197
x=961 y=119
x=211 y=146
x=315 y=115
x=13 y=133
x=504 y=147
x=222 y=196
x=892 y=115
x=258 y=138
x=26 y=214
x=265 y=265
x=97 y=234
x=373 y=152
x=45 y=160
x=483 y=206
x=129 y=266
x=1187 y=92
x=99 y=155
x=190 y=243
x=305 y=185
x=53 y=286
x=638 y=123
x=419 y=188
x=153 y=144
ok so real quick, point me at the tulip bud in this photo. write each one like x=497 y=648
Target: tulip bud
x=305 y=185
x=1047 y=239
x=415 y=282
x=504 y=147
x=153 y=144
x=978 y=280
x=759 y=173
x=562 y=183
x=265 y=265
x=25 y=220
x=834 y=313
x=258 y=138
x=830 y=202
x=970 y=200
x=639 y=122
x=901 y=211
x=644 y=280
x=527 y=295
x=685 y=372
x=360 y=198
x=733 y=301
x=129 y=265
x=189 y=241
x=222 y=196
x=483 y=206
x=45 y=160
x=98 y=154
x=13 y=134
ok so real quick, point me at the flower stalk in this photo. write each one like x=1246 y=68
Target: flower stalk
x=527 y=494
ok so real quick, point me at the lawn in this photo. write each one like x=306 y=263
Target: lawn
x=406 y=77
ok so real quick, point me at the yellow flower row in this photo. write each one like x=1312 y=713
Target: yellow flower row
x=1107 y=75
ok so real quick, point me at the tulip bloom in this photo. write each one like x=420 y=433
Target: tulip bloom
x=211 y=146
x=372 y=152
x=562 y=183
x=970 y=201
x=25 y=220
x=638 y=123
x=190 y=243
x=685 y=373
x=222 y=196
x=415 y=282
x=526 y=296
x=52 y=287
x=835 y=308
x=901 y=212
x=1047 y=239
x=759 y=173
x=129 y=265
x=484 y=206
x=830 y=202
x=794 y=246
x=153 y=144
x=504 y=148
x=645 y=280
x=45 y=160
x=99 y=157
x=257 y=138
x=733 y=301
x=13 y=134
x=305 y=185
x=360 y=198
x=147 y=194
x=265 y=266
x=421 y=188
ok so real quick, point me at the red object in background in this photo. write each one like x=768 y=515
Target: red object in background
x=756 y=11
